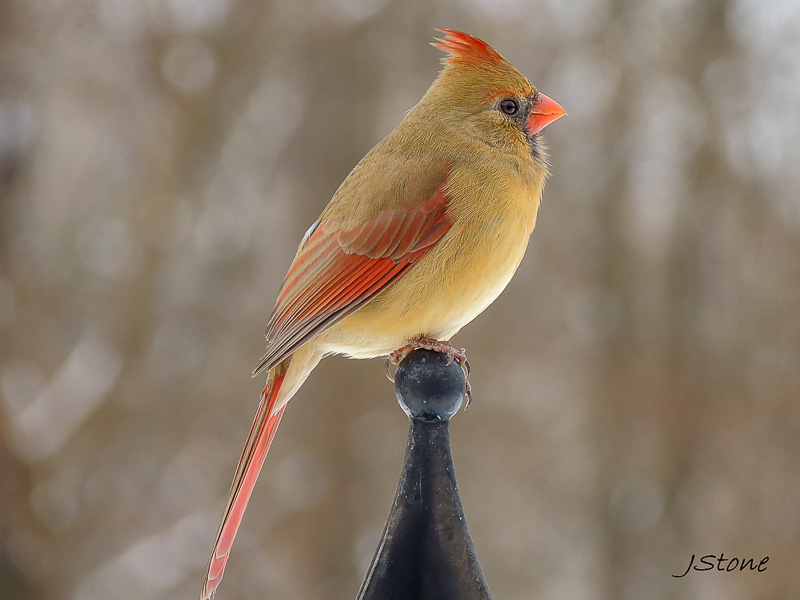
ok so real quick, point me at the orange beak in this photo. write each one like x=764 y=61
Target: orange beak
x=545 y=111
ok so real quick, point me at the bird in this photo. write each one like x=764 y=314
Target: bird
x=420 y=238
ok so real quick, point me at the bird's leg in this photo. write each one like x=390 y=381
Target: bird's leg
x=460 y=356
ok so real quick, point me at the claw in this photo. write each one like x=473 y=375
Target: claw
x=461 y=358
x=387 y=369
x=451 y=355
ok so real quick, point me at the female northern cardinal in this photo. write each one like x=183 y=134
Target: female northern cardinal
x=421 y=237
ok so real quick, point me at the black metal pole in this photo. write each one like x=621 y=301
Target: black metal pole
x=426 y=552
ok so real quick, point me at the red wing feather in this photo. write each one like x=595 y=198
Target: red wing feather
x=335 y=272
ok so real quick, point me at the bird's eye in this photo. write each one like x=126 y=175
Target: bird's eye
x=509 y=106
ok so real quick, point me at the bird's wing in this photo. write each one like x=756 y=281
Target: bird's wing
x=336 y=270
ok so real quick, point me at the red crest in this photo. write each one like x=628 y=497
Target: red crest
x=464 y=48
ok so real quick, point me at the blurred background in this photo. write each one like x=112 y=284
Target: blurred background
x=636 y=386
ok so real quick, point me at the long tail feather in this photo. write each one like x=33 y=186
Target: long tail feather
x=255 y=450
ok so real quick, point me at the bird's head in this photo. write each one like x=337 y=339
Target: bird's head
x=483 y=95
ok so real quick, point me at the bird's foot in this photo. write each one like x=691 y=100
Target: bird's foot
x=460 y=356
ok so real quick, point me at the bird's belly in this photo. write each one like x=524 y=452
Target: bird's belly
x=447 y=289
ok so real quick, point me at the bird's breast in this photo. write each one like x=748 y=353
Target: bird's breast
x=451 y=284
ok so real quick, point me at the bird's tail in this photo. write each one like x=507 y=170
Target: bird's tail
x=255 y=450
